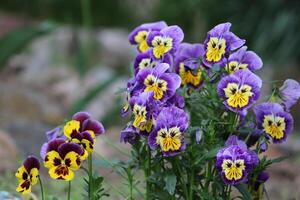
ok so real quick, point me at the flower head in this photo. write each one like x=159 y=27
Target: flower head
x=27 y=174
x=235 y=161
x=243 y=59
x=162 y=84
x=86 y=141
x=62 y=159
x=168 y=135
x=146 y=60
x=140 y=34
x=239 y=90
x=129 y=134
x=165 y=41
x=289 y=93
x=273 y=121
x=187 y=64
x=218 y=44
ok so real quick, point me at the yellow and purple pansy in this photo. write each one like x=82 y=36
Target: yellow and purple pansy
x=159 y=81
x=243 y=59
x=274 y=122
x=165 y=41
x=239 y=90
x=140 y=34
x=86 y=141
x=142 y=110
x=168 y=134
x=235 y=161
x=219 y=43
x=146 y=60
x=62 y=159
x=187 y=64
x=28 y=174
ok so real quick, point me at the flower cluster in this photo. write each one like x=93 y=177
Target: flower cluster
x=167 y=72
x=64 y=151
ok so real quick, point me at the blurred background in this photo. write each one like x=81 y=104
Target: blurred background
x=61 y=56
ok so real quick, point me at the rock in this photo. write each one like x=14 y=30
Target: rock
x=8 y=153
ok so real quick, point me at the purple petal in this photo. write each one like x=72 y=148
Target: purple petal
x=30 y=163
x=53 y=145
x=81 y=116
x=93 y=125
x=64 y=149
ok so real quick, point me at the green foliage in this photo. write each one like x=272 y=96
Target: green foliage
x=170 y=180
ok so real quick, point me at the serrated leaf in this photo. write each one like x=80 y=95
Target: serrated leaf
x=242 y=188
x=170 y=181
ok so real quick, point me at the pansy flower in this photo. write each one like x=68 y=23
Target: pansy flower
x=86 y=141
x=239 y=90
x=27 y=174
x=168 y=135
x=235 y=162
x=146 y=60
x=187 y=64
x=129 y=135
x=140 y=34
x=274 y=121
x=142 y=106
x=289 y=93
x=162 y=84
x=218 y=44
x=81 y=122
x=165 y=41
x=62 y=159
x=242 y=59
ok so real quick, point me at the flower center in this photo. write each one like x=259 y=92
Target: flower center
x=274 y=126
x=233 y=170
x=169 y=139
x=187 y=76
x=158 y=86
x=234 y=66
x=215 y=49
x=238 y=97
x=161 y=46
x=141 y=40
x=139 y=115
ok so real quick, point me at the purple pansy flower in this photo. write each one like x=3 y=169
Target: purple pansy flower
x=218 y=44
x=243 y=59
x=235 y=161
x=142 y=108
x=187 y=64
x=261 y=178
x=162 y=84
x=239 y=90
x=146 y=60
x=289 y=93
x=165 y=41
x=274 y=121
x=168 y=135
x=139 y=35
x=129 y=134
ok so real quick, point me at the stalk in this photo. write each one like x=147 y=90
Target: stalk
x=69 y=191
x=91 y=182
x=42 y=188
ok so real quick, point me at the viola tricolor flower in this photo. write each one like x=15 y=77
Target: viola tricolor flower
x=274 y=121
x=218 y=44
x=168 y=135
x=129 y=134
x=162 y=84
x=86 y=141
x=140 y=34
x=146 y=60
x=243 y=59
x=239 y=90
x=235 y=162
x=187 y=64
x=28 y=174
x=165 y=41
x=289 y=93
x=62 y=159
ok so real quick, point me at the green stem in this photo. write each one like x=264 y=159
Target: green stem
x=69 y=191
x=86 y=13
x=191 y=184
x=91 y=182
x=182 y=182
x=42 y=188
x=148 y=173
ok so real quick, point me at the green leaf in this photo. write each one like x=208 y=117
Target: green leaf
x=279 y=159
x=242 y=188
x=170 y=181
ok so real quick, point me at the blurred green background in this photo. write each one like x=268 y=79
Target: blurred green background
x=61 y=56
